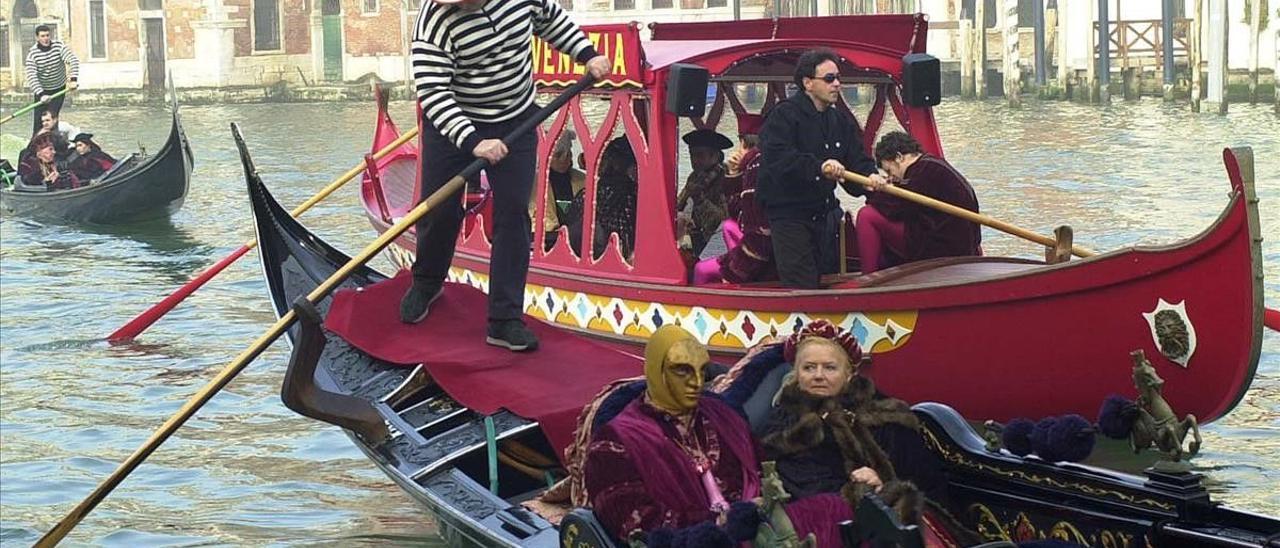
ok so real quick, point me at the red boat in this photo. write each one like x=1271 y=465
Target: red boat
x=992 y=336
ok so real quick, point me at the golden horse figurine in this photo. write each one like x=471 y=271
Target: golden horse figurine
x=1156 y=423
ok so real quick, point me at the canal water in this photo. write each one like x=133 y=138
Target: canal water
x=246 y=470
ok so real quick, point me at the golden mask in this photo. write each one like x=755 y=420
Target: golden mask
x=674 y=362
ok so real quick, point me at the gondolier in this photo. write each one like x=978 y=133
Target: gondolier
x=474 y=78
x=47 y=73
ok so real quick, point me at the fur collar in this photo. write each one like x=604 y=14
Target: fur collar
x=870 y=407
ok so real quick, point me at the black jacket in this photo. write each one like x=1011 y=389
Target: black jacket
x=794 y=142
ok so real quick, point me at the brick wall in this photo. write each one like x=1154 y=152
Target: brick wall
x=373 y=34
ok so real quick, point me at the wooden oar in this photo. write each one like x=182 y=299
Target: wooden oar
x=232 y=369
x=144 y=320
x=963 y=213
x=32 y=106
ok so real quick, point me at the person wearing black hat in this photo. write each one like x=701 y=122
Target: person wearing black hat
x=92 y=161
x=806 y=144
x=701 y=205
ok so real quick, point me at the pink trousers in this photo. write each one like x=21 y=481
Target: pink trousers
x=876 y=233
x=707 y=271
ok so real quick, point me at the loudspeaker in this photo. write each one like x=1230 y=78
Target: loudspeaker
x=921 y=80
x=687 y=89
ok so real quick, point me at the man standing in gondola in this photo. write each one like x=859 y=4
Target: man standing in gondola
x=474 y=78
x=806 y=143
x=46 y=69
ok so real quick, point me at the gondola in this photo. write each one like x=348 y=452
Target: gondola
x=471 y=459
x=985 y=319
x=140 y=186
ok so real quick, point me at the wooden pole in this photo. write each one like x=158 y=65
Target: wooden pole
x=1195 y=57
x=980 y=49
x=1166 y=49
x=1276 y=73
x=1216 y=99
x=966 y=58
x=1091 y=66
x=1042 y=64
x=1255 y=39
x=1060 y=44
x=1011 y=68
x=1104 y=53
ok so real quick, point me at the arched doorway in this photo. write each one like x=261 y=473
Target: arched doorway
x=20 y=35
x=331 y=14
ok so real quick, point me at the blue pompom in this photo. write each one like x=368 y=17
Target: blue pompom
x=1017 y=437
x=702 y=535
x=1040 y=437
x=743 y=521
x=1069 y=438
x=1115 y=418
x=660 y=538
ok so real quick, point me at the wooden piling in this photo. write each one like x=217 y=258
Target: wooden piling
x=1012 y=70
x=1276 y=74
x=980 y=50
x=1166 y=50
x=1195 y=57
x=1216 y=48
x=1104 y=53
x=966 y=58
x=1091 y=67
x=1255 y=38
x=1060 y=45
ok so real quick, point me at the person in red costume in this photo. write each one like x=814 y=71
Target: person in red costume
x=746 y=231
x=892 y=231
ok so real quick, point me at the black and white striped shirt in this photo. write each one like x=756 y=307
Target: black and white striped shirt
x=478 y=64
x=47 y=68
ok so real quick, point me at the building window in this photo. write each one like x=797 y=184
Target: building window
x=716 y=3
x=149 y=5
x=97 y=30
x=624 y=4
x=369 y=7
x=4 y=44
x=661 y=4
x=266 y=25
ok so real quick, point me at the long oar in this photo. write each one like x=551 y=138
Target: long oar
x=966 y=214
x=232 y=369
x=144 y=320
x=32 y=106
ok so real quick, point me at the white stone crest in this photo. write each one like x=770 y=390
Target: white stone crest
x=1172 y=331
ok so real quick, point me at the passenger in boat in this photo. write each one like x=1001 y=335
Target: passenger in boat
x=891 y=230
x=61 y=132
x=472 y=71
x=700 y=206
x=677 y=461
x=91 y=160
x=42 y=168
x=746 y=231
x=615 y=201
x=806 y=143
x=564 y=182
x=833 y=432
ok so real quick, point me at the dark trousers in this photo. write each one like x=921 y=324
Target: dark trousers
x=512 y=183
x=804 y=249
x=54 y=106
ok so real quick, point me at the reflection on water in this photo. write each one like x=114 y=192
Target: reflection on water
x=248 y=471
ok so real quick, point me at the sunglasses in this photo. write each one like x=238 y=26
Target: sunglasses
x=829 y=78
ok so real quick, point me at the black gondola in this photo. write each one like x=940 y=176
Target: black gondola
x=140 y=186
x=435 y=448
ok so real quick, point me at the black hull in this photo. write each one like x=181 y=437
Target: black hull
x=155 y=187
x=998 y=494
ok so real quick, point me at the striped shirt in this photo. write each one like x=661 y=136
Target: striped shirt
x=477 y=65
x=47 y=68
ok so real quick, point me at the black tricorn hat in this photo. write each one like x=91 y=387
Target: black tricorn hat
x=707 y=138
x=82 y=137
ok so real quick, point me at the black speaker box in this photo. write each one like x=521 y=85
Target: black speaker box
x=921 y=80
x=687 y=90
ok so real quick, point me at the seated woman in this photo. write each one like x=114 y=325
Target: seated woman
x=42 y=169
x=92 y=161
x=892 y=231
x=671 y=462
x=833 y=432
x=615 y=206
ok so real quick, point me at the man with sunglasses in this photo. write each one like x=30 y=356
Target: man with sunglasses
x=803 y=138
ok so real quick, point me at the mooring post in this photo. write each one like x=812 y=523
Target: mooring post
x=1255 y=39
x=966 y=58
x=1042 y=65
x=1195 y=57
x=1104 y=53
x=1216 y=99
x=980 y=50
x=1060 y=47
x=1276 y=74
x=1012 y=70
x=1166 y=48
